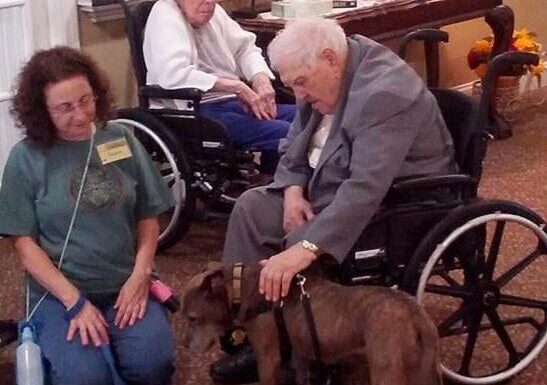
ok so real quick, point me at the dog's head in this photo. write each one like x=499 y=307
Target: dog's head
x=206 y=306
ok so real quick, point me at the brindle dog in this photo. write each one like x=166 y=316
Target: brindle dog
x=383 y=330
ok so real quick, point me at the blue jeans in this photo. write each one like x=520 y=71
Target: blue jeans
x=248 y=132
x=143 y=354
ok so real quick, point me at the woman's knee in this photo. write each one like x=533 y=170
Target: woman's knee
x=70 y=370
x=277 y=129
x=146 y=355
x=286 y=112
x=150 y=366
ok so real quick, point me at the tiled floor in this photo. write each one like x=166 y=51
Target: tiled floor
x=515 y=169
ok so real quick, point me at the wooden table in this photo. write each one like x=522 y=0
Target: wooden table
x=391 y=19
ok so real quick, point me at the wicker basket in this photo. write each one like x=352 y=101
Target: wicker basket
x=507 y=99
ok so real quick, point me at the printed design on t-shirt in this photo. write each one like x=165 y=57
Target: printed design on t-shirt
x=103 y=187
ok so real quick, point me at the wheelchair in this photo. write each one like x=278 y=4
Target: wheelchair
x=193 y=153
x=434 y=236
x=467 y=259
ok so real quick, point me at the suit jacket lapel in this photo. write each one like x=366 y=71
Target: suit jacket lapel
x=334 y=138
x=306 y=134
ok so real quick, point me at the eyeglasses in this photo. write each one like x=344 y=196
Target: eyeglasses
x=68 y=108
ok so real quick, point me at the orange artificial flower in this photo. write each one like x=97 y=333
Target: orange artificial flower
x=523 y=41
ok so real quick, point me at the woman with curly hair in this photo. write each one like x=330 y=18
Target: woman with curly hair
x=80 y=199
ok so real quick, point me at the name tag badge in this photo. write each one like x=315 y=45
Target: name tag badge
x=113 y=151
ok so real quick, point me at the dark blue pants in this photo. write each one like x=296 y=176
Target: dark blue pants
x=143 y=353
x=247 y=132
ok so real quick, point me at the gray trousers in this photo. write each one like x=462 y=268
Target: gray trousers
x=255 y=229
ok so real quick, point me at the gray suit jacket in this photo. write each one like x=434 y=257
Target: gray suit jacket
x=386 y=125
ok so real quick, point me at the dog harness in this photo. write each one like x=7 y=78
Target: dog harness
x=321 y=374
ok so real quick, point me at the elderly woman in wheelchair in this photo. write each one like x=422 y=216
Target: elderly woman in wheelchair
x=210 y=51
x=382 y=174
x=200 y=122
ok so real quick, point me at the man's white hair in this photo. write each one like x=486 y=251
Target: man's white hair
x=304 y=39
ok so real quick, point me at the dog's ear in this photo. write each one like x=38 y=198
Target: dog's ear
x=197 y=282
x=214 y=266
x=214 y=285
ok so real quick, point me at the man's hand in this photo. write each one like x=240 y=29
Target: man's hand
x=278 y=271
x=262 y=85
x=91 y=325
x=132 y=300
x=296 y=209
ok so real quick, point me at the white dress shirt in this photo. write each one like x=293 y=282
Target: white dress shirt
x=318 y=139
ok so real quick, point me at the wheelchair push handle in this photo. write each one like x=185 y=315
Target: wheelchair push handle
x=503 y=63
x=506 y=62
x=430 y=35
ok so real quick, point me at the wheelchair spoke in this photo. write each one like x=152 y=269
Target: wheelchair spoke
x=534 y=341
x=506 y=299
x=444 y=328
x=498 y=326
x=494 y=251
x=474 y=326
x=471 y=277
x=169 y=178
x=457 y=292
x=506 y=277
x=448 y=279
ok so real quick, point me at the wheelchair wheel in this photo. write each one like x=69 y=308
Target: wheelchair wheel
x=169 y=157
x=482 y=279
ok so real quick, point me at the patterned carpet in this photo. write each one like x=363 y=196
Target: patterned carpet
x=515 y=169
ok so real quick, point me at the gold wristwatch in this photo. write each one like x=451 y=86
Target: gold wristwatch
x=311 y=247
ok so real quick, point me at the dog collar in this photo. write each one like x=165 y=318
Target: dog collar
x=236 y=300
x=237 y=276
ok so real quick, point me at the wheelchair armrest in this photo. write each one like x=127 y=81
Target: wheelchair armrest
x=430 y=182
x=157 y=92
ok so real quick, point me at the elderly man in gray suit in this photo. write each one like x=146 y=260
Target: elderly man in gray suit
x=364 y=118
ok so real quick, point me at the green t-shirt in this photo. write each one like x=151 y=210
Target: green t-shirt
x=38 y=194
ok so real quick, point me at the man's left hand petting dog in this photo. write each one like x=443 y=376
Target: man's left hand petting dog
x=381 y=333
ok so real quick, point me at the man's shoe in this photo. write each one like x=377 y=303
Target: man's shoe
x=239 y=368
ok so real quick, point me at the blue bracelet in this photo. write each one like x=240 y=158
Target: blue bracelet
x=74 y=310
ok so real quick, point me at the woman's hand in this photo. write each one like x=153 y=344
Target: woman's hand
x=262 y=85
x=132 y=300
x=91 y=325
x=296 y=209
x=258 y=99
x=253 y=101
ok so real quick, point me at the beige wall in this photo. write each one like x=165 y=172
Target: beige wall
x=106 y=42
